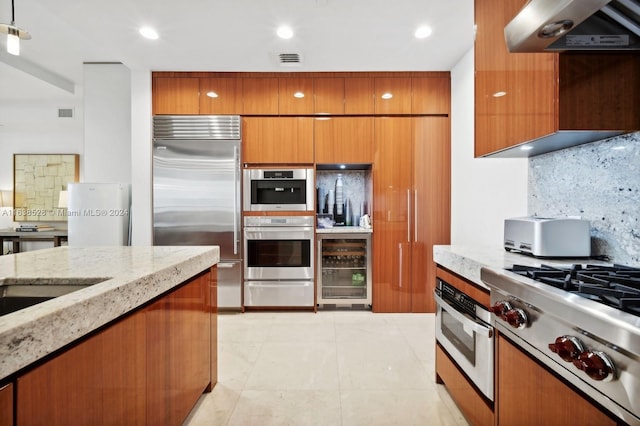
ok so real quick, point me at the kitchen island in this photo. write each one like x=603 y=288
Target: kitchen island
x=138 y=305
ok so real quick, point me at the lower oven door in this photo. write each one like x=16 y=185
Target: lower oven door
x=278 y=293
x=469 y=342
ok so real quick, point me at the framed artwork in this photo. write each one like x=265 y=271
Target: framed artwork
x=37 y=182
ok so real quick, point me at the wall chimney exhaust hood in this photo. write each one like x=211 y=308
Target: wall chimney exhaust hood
x=560 y=25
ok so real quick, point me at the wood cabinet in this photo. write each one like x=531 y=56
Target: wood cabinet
x=176 y=95
x=260 y=95
x=295 y=96
x=520 y=97
x=528 y=394
x=431 y=95
x=277 y=140
x=392 y=95
x=6 y=405
x=329 y=95
x=359 y=96
x=343 y=140
x=221 y=95
x=474 y=407
x=411 y=192
x=149 y=367
x=99 y=381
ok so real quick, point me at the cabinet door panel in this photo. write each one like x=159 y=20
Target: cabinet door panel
x=528 y=394
x=358 y=95
x=430 y=95
x=176 y=95
x=399 y=88
x=431 y=214
x=392 y=176
x=295 y=96
x=277 y=140
x=329 y=95
x=227 y=99
x=343 y=140
x=6 y=405
x=260 y=95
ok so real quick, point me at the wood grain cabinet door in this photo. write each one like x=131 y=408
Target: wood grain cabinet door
x=431 y=95
x=6 y=405
x=358 y=96
x=343 y=140
x=221 y=96
x=392 y=95
x=260 y=95
x=295 y=96
x=277 y=140
x=329 y=95
x=176 y=95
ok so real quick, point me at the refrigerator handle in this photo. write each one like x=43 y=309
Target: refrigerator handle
x=236 y=184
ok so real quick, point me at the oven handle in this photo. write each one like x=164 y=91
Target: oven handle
x=475 y=326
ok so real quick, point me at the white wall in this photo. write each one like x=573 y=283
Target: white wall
x=484 y=191
x=107 y=123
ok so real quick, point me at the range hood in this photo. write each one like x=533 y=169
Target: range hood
x=559 y=25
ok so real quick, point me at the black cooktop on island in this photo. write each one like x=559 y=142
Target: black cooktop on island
x=617 y=286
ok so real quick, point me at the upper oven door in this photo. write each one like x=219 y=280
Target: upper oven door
x=278 y=190
x=278 y=253
x=468 y=341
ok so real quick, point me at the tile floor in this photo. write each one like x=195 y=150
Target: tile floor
x=330 y=368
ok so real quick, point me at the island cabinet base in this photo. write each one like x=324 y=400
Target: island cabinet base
x=147 y=368
x=474 y=407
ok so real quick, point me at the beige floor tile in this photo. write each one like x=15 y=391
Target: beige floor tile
x=214 y=408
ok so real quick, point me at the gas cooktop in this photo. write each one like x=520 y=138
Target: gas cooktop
x=617 y=286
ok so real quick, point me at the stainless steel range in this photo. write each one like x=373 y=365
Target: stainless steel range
x=582 y=321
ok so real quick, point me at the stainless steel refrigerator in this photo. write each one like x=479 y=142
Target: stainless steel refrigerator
x=196 y=191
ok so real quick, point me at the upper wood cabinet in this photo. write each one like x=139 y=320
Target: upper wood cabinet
x=431 y=95
x=358 y=96
x=277 y=140
x=176 y=95
x=521 y=97
x=343 y=140
x=329 y=95
x=221 y=96
x=260 y=95
x=295 y=96
x=392 y=95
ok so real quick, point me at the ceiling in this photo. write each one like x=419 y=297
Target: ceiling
x=229 y=35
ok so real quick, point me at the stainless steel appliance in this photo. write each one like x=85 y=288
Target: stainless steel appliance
x=581 y=321
x=196 y=191
x=548 y=237
x=279 y=190
x=463 y=329
x=575 y=25
x=279 y=261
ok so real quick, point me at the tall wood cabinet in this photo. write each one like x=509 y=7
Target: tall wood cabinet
x=525 y=96
x=411 y=176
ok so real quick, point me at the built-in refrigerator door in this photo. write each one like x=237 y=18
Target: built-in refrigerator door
x=230 y=285
x=196 y=194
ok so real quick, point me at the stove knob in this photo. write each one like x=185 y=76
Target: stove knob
x=516 y=318
x=500 y=308
x=568 y=347
x=597 y=365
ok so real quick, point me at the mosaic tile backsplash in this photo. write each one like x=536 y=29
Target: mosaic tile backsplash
x=599 y=181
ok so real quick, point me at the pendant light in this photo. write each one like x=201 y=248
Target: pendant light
x=14 y=34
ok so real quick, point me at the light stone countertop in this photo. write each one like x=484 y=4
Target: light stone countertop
x=466 y=261
x=134 y=276
x=344 y=230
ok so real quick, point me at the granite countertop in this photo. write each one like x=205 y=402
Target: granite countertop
x=466 y=261
x=132 y=276
x=344 y=230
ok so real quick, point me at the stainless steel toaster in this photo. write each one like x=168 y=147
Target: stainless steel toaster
x=548 y=237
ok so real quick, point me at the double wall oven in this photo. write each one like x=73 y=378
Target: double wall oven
x=279 y=265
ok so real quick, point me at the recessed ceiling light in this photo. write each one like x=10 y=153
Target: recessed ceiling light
x=387 y=95
x=284 y=32
x=298 y=95
x=423 y=32
x=148 y=32
x=212 y=94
